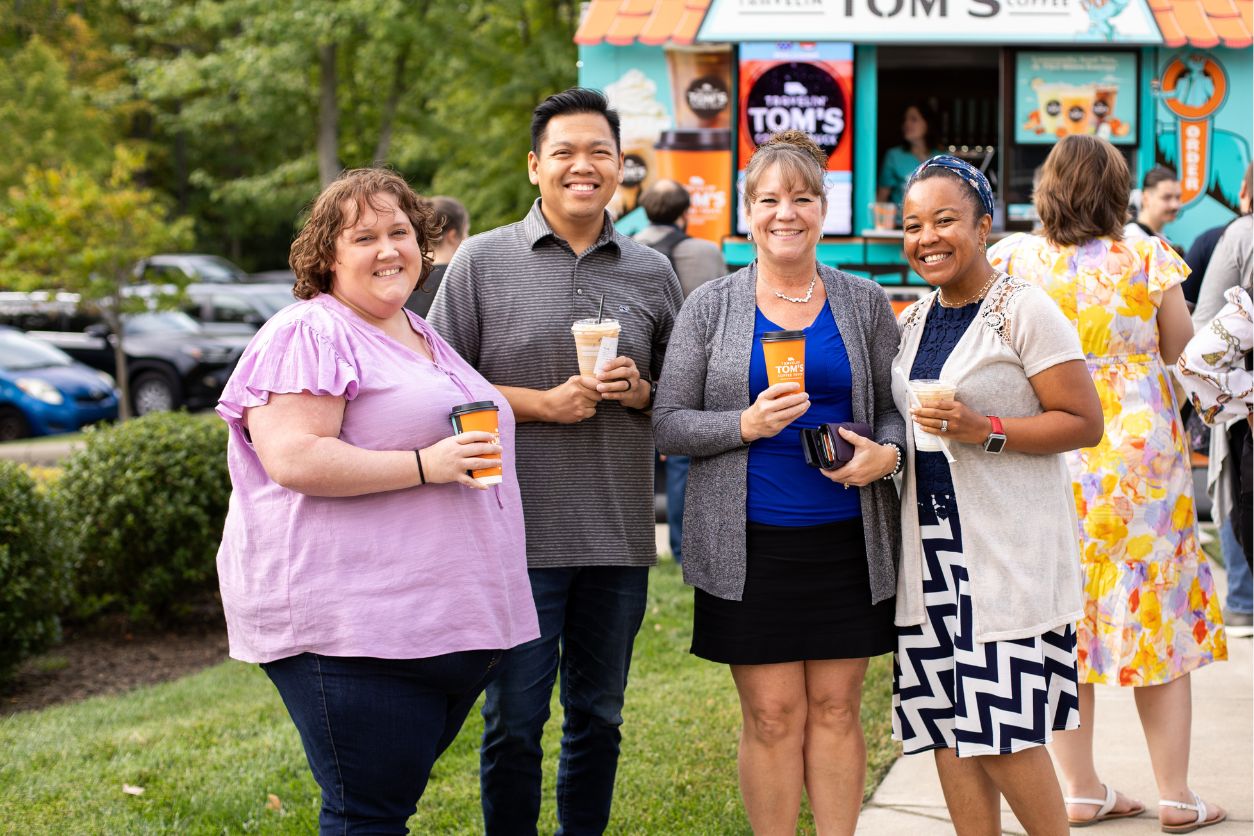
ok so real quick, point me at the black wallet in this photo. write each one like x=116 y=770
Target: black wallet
x=824 y=448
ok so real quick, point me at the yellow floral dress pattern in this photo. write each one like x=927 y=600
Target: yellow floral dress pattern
x=1151 y=614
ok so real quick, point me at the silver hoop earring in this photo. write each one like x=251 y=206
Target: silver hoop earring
x=820 y=236
x=749 y=236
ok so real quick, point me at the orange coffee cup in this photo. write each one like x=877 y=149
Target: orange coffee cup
x=480 y=416
x=700 y=161
x=785 y=353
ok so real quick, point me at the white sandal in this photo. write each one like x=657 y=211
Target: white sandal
x=1198 y=806
x=1104 y=807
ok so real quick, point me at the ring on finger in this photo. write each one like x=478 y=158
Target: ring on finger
x=628 y=389
x=944 y=425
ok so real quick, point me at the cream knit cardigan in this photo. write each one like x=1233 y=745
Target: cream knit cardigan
x=1019 y=529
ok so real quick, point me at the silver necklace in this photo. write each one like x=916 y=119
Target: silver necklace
x=800 y=300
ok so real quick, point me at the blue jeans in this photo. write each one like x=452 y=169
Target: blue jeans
x=676 y=482
x=1240 y=581
x=373 y=728
x=589 y=617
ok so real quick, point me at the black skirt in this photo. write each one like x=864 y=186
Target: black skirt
x=807 y=596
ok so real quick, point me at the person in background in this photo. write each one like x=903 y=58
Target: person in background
x=376 y=583
x=1231 y=266
x=695 y=261
x=1151 y=615
x=585 y=455
x=1215 y=370
x=1203 y=247
x=920 y=138
x=456 y=226
x=989 y=585
x=793 y=571
x=1160 y=204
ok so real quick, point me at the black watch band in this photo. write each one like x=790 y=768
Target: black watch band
x=652 y=396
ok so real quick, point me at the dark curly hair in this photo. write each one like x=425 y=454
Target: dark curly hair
x=799 y=158
x=313 y=251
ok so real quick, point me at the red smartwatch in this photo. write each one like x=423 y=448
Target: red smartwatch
x=996 y=441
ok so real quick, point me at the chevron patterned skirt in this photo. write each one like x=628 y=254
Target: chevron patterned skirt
x=978 y=698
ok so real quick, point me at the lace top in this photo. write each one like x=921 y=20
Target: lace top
x=941 y=332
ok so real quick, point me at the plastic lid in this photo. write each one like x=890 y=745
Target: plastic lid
x=780 y=336
x=477 y=406
x=695 y=139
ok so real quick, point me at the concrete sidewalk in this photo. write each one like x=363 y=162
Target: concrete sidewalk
x=909 y=801
x=43 y=452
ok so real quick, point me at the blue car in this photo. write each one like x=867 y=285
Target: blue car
x=44 y=391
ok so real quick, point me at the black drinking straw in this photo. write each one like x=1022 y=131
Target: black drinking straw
x=600 y=307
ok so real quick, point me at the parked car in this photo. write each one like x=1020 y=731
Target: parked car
x=228 y=308
x=44 y=391
x=171 y=361
x=45 y=310
x=173 y=268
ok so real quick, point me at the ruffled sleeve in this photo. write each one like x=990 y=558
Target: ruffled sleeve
x=1163 y=266
x=1001 y=255
x=292 y=357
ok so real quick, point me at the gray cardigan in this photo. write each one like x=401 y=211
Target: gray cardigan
x=704 y=388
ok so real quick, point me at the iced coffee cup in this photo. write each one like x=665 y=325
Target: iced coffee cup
x=1077 y=108
x=785 y=353
x=931 y=393
x=596 y=343
x=480 y=416
x=1049 y=97
x=884 y=215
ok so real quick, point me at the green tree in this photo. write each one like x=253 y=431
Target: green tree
x=68 y=229
x=276 y=96
x=47 y=122
x=508 y=56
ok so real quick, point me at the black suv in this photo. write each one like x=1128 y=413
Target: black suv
x=171 y=361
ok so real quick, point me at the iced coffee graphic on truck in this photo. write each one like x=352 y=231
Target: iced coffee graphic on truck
x=675 y=104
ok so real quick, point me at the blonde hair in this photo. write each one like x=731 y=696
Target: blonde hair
x=313 y=252
x=799 y=158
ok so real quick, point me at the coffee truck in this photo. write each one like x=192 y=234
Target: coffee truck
x=699 y=83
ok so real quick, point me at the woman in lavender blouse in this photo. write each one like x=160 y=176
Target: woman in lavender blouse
x=375 y=582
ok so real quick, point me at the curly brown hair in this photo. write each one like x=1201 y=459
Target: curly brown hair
x=313 y=251
x=799 y=158
x=1083 y=192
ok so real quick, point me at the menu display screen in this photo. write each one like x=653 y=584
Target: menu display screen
x=1063 y=93
x=807 y=87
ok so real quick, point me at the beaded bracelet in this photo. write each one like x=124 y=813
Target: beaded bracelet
x=897 y=468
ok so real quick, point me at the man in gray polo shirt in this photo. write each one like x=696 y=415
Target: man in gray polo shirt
x=585 y=455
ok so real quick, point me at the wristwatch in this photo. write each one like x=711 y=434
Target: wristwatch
x=996 y=441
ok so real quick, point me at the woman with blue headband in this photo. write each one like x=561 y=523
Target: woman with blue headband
x=987 y=599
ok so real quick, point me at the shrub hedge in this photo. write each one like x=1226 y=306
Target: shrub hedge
x=141 y=507
x=34 y=572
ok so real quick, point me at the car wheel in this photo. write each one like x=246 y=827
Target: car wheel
x=12 y=424
x=153 y=392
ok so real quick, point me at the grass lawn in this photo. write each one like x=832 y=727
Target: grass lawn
x=210 y=749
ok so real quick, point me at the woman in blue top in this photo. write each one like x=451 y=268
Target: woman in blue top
x=919 y=138
x=794 y=567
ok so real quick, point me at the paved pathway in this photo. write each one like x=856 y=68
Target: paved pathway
x=909 y=800
x=42 y=452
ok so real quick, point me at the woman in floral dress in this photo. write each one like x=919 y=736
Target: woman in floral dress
x=1151 y=615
